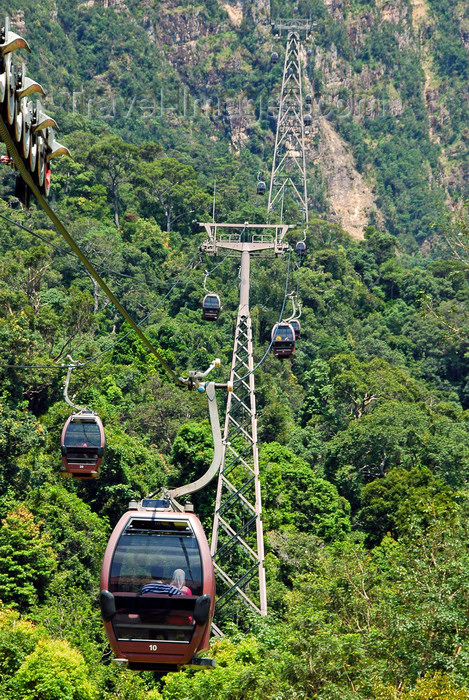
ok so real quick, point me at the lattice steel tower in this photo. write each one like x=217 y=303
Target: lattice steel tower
x=237 y=538
x=289 y=161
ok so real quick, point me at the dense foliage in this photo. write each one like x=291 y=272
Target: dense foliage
x=364 y=454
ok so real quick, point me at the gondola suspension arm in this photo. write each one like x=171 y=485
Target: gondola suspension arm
x=71 y=367
x=194 y=381
x=296 y=311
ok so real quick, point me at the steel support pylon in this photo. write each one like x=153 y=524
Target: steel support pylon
x=289 y=162
x=237 y=543
x=237 y=537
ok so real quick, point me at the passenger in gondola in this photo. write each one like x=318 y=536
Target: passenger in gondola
x=179 y=582
x=157 y=585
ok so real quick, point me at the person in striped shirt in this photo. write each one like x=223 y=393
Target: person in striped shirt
x=157 y=585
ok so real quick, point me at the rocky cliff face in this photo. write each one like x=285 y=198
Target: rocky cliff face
x=387 y=76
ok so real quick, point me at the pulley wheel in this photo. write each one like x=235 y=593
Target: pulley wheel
x=41 y=160
x=18 y=121
x=32 y=153
x=26 y=138
x=10 y=89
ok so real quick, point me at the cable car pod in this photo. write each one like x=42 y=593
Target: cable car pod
x=308 y=120
x=211 y=307
x=300 y=248
x=158 y=589
x=274 y=57
x=82 y=445
x=295 y=324
x=261 y=187
x=308 y=99
x=283 y=340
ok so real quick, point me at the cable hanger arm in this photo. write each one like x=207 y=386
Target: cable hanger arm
x=172 y=494
x=71 y=367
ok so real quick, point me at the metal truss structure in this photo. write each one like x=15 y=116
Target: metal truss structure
x=237 y=538
x=291 y=24
x=289 y=161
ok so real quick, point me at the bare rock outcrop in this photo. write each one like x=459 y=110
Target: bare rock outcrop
x=351 y=198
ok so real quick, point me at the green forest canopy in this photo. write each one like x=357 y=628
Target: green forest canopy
x=364 y=456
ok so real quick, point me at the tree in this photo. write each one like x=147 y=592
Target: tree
x=78 y=535
x=18 y=637
x=20 y=437
x=404 y=501
x=433 y=686
x=27 y=562
x=397 y=434
x=359 y=385
x=173 y=187
x=294 y=497
x=112 y=158
x=54 y=670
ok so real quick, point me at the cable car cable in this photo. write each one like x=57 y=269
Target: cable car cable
x=13 y=151
x=34 y=366
x=82 y=364
x=119 y=340
x=38 y=235
x=69 y=252
x=79 y=365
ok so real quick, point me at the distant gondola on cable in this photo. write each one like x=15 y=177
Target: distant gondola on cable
x=274 y=57
x=211 y=307
x=308 y=99
x=158 y=588
x=283 y=339
x=261 y=187
x=82 y=445
x=300 y=248
x=308 y=120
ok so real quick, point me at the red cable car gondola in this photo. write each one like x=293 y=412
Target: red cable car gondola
x=283 y=340
x=150 y=623
x=211 y=307
x=82 y=445
x=261 y=187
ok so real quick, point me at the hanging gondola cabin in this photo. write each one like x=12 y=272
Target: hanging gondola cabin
x=274 y=57
x=261 y=187
x=211 y=307
x=158 y=589
x=295 y=324
x=300 y=248
x=283 y=340
x=82 y=445
x=308 y=119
